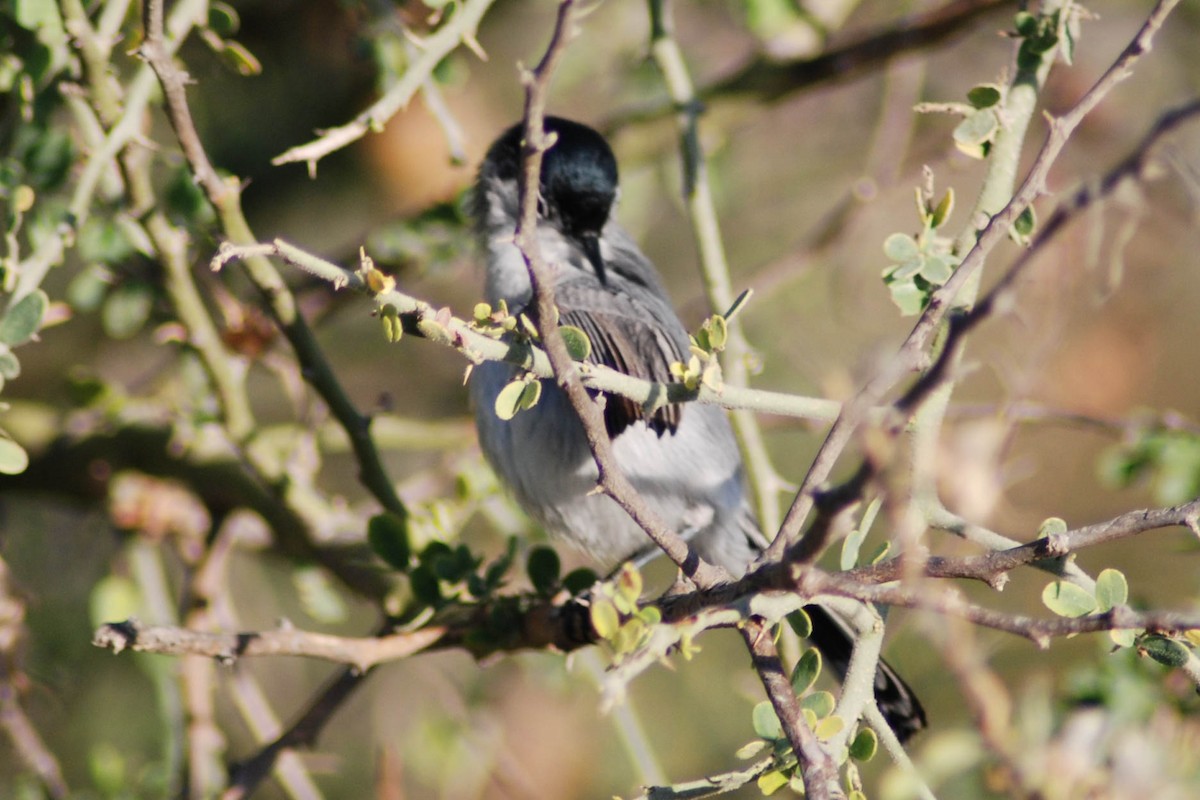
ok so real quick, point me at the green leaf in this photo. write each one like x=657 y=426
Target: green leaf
x=1043 y=43
x=186 y=203
x=629 y=584
x=750 y=750
x=126 y=310
x=393 y=328
x=900 y=247
x=1052 y=526
x=943 y=210
x=1111 y=589
x=718 y=333
x=1068 y=600
x=806 y=671
x=23 y=319
x=908 y=297
x=318 y=596
x=102 y=240
x=10 y=366
x=936 y=270
x=882 y=550
x=579 y=580
x=387 y=534
x=223 y=19
x=543 y=567
x=772 y=782
x=86 y=290
x=1167 y=652
x=579 y=347
x=1025 y=23
x=865 y=745
x=985 y=95
x=605 y=619
x=23 y=198
x=801 y=623
x=425 y=586
x=106 y=766
x=1123 y=637
x=49 y=157
x=508 y=401
x=531 y=395
x=820 y=703
x=907 y=270
x=766 y=724
x=829 y=727
x=978 y=128
x=114 y=598
x=13 y=458
x=243 y=62
x=851 y=546
x=1025 y=224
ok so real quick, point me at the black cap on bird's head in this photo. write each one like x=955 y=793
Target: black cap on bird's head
x=578 y=180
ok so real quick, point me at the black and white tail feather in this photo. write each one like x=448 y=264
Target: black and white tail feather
x=682 y=459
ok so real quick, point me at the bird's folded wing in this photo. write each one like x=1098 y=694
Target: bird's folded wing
x=636 y=333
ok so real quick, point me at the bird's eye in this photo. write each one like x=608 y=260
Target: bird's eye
x=543 y=206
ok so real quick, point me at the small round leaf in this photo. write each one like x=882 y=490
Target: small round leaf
x=508 y=401
x=23 y=319
x=766 y=724
x=13 y=458
x=806 y=671
x=820 y=703
x=900 y=247
x=1068 y=600
x=1167 y=652
x=605 y=619
x=543 y=567
x=578 y=345
x=801 y=623
x=387 y=534
x=984 y=96
x=1111 y=589
x=865 y=745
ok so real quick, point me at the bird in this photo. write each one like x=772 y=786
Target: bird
x=683 y=459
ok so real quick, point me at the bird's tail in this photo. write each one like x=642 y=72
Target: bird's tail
x=896 y=700
x=831 y=634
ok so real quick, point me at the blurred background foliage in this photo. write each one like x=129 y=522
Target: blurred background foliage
x=1081 y=405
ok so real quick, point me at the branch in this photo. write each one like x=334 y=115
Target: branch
x=225 y=196
x=458 y=29
x=913 y=354
x=244 y=777
x=359 y=652
x=771 y=80
x=565 y=371
x=986 y=567
x=30 y=749
x=437 y=325
x=714 y=268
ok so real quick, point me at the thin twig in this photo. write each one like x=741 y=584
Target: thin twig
x=225 y=195
x=360 y=652
x=458 y=29
x=422 y=319
x=770 y=79
x=763 y=480
x=913 y=354
x=566 y=373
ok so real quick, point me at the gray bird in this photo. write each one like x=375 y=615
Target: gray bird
x=682 y=459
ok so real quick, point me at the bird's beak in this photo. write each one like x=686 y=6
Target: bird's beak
x=591 y=249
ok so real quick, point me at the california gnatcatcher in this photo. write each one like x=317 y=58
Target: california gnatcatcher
x=682 y=459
